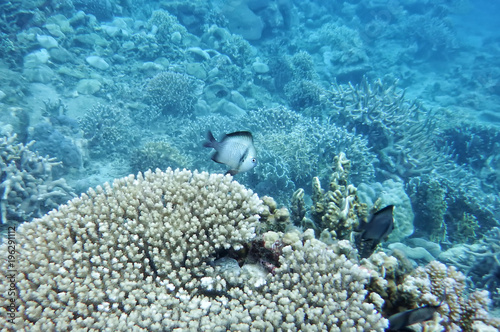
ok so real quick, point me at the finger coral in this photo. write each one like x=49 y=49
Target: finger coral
x=459 y=311
x=139 y=255
x=128 y=254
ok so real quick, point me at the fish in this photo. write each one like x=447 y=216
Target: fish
x=235 y=150
x=374 y=231
x=399 y=321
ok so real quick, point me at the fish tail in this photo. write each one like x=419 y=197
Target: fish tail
x=211 y=141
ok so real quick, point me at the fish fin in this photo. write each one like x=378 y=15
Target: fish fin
x=211 y=141
x=232 y=172
x=386 y=210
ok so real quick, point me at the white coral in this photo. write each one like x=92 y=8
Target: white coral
x=134 y=256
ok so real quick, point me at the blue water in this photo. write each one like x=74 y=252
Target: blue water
x=408 y=90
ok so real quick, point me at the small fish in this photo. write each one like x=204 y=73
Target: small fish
x=399 y=321
x=380 y=226
x=236 y=150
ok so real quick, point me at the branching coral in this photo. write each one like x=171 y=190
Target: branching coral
x=107 y=129
x=305 y=147
x=28 y=188
x=158 y=154
x=173 y=93
x=131 y=254
x=476 y=147
x=453 y=192
x=297 y=78
x=164 y=26
x=291 y=148
x=459 y=311
x=337 y=210
x=139 y=254
x=302 y=94
x=481 y=263
x=400 y=130
x=429 y=199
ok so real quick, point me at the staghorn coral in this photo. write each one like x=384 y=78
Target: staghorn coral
x=476 y=147
x=28 y=188
x=400 y=130
x=173 y=93
x=135 y=256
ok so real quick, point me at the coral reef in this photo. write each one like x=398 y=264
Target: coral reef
x=390 y=123
x=140 y=254
x=344 y=52
x=476 y=147
x=50 y=141
x=296 y=77
x=173 y=93
x=167 y=29
x=480 y=262
x=302 y=94
x=443 y=199
x=319 y=287
x=107 y=129
x=459 y=311
x=305 y=147
x=158 y=154
x=390 y=192
x=273 y=218
x=101 y=9
x=28 y=189
x=337 y=210
x=291 y=147
x=429 y=199
x=136 y=250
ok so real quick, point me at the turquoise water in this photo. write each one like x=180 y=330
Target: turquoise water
x=409 y=91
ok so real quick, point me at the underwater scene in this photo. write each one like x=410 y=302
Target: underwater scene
x=250 y=165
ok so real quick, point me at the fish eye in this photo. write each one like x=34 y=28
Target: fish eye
x=254 y=160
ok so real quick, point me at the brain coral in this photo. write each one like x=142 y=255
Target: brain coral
x=135 y=257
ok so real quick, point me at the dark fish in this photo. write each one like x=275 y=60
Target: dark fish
x=406 y=318
x=374 y=231
x=235 y=150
